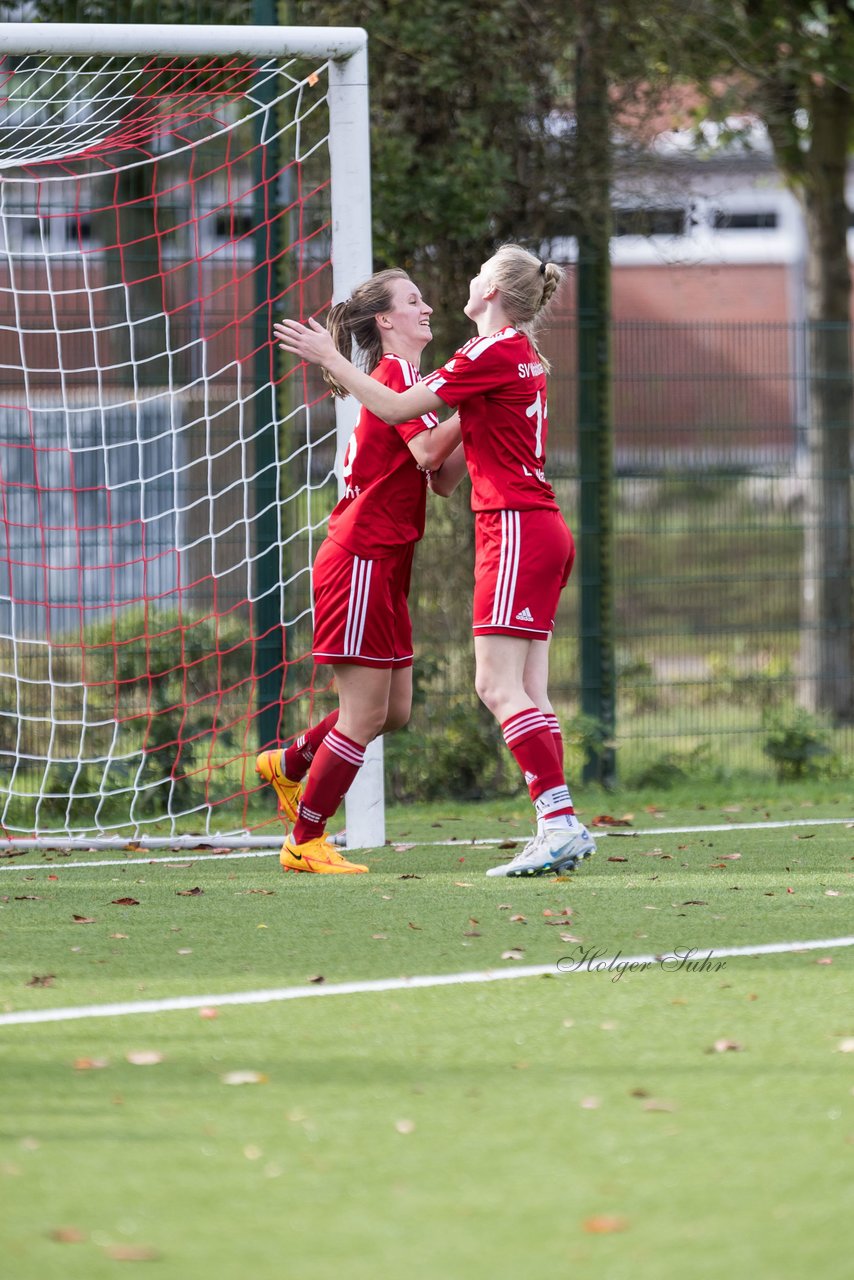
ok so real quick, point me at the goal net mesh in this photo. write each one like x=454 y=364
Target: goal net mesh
x=163 y=484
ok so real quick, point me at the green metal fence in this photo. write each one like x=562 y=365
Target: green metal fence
x=711 y=483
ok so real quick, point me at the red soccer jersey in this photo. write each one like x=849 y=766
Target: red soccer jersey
x=499 y=384
x=384 y=502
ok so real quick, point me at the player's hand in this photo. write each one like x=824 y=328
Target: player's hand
x=310 y=342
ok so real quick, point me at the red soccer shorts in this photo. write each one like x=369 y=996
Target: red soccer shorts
x=523 y=560
x=361 y=614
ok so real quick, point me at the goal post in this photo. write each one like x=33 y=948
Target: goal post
x=167 y=192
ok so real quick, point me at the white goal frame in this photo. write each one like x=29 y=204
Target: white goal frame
x=352 y=256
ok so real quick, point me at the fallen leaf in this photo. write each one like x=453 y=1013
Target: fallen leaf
x=515 y=953
x=617 y=859
x=91 y=1064
x=694 y=902
x=658 y=1104
x=41 y=980
x=188 y=893
x=124 y=902
x=404 y=1126
x=67 y=1235
x=463 y=884
x=84 y=920
x=507 y=844
x=604 y=1224
x=726 y=1046
x=318 y=978
x=518 y=920
x=414 y=926
x=244 y=1077
x=409 y=875
x=131 y=1252
x=590 y=1104
x=144 y=1057
x=208 y=1012
x=119 y=935
x=846 y=1045
x=27 y=897
x=606 y=820
x=265 y=892
x=404 y=848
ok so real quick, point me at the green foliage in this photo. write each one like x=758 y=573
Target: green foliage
x=463 y=153
x=795 y=740
x=669 y=768
x=461 y=756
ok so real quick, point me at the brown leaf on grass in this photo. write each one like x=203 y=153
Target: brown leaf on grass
x=208 y=1012
x=318 y=978
x=726 y=1046
x=472 y=933
x=188 y=893
x=846 y=1045
x=67 y=1235
x=617 y=859
x=605 y=1224
x=144 y=1057
x=693 y=902
x=41 y=980
x=131 y=1253
x=27 y=897
x=507 y=844
x=606 y=820
x=119 y=935
x=124 y=902
x=515 y=953
x=265 y=892
x=90 y=1064
x=658 y=1104
x=84 y=919
x=518 y=919
x=414 y=926
x=244 y=1077
x=409 y=875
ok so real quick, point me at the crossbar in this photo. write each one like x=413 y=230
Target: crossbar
x=176 y=39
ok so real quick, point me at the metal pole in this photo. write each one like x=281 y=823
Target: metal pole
x=595 y=417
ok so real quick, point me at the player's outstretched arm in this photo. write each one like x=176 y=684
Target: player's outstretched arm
x=314 y=344
x=444 y=481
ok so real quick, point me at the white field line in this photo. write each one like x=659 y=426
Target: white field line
x=191 y=851
x=695 y=956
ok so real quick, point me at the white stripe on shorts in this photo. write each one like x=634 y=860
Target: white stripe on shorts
x=508 y=569
x=357 y=609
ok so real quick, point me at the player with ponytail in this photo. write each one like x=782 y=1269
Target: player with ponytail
x=362 y=570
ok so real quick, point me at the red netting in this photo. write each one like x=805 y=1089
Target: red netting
x=163 y=485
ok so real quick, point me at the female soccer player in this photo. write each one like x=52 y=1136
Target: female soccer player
x=523 y=548
x=362 y=570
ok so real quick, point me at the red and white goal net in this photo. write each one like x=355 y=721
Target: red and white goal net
x=164 y=476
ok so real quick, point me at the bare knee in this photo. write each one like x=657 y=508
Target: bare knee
x=396 y=718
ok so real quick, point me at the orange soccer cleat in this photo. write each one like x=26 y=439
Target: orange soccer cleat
x=317 y=855
x=269 y=767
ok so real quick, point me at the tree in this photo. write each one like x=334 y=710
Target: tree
x=463 y=152
x=791 y=63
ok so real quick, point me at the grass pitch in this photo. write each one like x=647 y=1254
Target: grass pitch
x=594 y=1121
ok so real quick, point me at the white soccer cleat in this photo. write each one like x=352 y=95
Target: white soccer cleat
x=555 y=850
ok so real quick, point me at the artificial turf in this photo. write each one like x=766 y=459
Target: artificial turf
x=593 y=1121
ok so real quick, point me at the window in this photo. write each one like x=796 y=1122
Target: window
x=648 y=222
x=749 y=220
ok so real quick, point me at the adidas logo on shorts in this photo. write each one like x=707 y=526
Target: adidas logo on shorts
x=525 y=616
